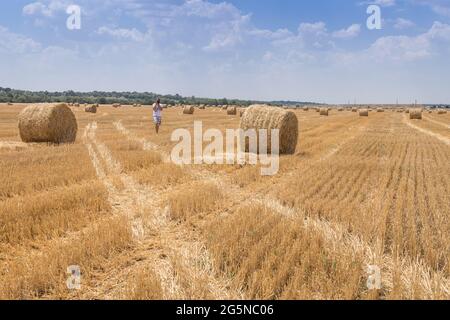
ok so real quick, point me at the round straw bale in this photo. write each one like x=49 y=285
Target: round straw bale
x=263 y=117
x=224 y=107
x=354 y=110
x=363 y=113
x=231 y=111
x=323 y=111
x=442 y=111
x=91 y=109
x=415 y=113
x=116 y=105
x=380 y=110
x=202 y=107
x=188 y=110
x=48 y=123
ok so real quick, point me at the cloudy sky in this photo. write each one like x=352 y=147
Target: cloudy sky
x=305 y=50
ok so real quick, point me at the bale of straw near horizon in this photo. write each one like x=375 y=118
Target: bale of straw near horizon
x=380 y=110
x=224 y=107
x=48 y=123
x=415 y=113
x=202 y=107
x=260 y=117
x=91 y=109
x=363 y=113
x=323 y=111
x=340 y=109
x=116 y=105
x=442 y=111
x=231 y=111
x=188 y=110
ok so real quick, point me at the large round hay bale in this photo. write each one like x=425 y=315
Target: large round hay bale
x=415 y=113
x=231 y=111
x=188 y=110
x=363 y=113
x=323 y=111
x=48 y=123
x=91 y=109
x=263 y=117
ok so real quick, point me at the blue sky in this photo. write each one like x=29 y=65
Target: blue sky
x=304 y=50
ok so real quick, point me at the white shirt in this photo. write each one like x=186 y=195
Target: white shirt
x=157 y=113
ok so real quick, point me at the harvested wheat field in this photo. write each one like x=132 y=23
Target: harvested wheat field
x=358 y=193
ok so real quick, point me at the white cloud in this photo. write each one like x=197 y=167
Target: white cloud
x=121 y=33
x=15 y=43
x=350 y=32
x=316 y=29
x=46 y=8
x=408 y=48
x=402 y=24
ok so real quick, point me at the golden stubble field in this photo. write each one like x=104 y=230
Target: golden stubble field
x=361 y=191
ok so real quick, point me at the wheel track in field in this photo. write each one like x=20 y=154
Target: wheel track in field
x=445 y=125
x=142 y=205
x=428 y=132
x=340 y=239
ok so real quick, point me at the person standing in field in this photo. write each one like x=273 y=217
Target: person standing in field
x=157 y=118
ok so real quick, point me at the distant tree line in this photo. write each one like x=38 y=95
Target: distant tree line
x=146 y=98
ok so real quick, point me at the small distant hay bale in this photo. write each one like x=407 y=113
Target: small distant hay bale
x=116 y=105
x=317 y=109
x=363 y=113
x=323 y=111
x=202 y=107
x=306 y=109
x=380 y=110
x=91 y=109
x=340 y=109
x=354 y=109
x=407 y=111
x=188 y=110
x=10 y=103
x=224 y=107
x=48 y=123
x=415 y=113
x=260 y=117
x=76 y=105
x=442 y=111
x=231 y=111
